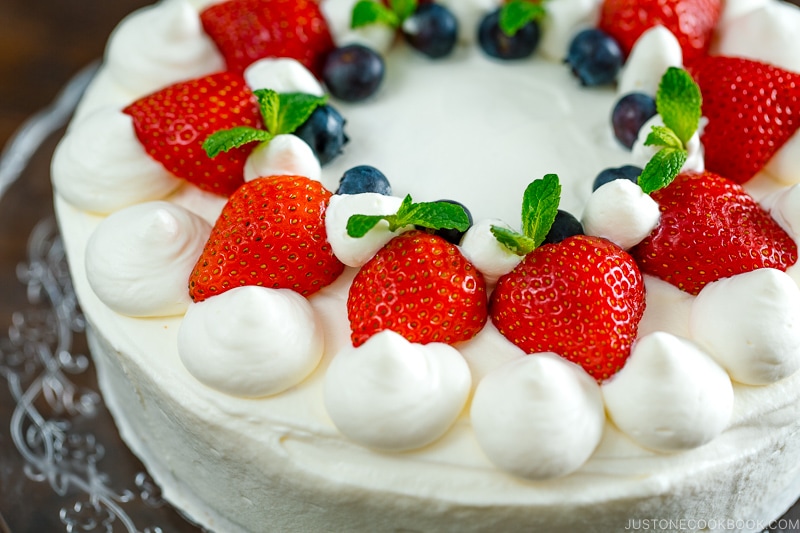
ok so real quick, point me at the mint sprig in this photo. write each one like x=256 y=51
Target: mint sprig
x=679 y=102
x=432 y=215
x=281 y=112
x=516 y=14
x=539 y=208
x=367 y=12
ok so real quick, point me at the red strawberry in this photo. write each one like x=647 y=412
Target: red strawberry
x=710 y=228
x=581 y=298
x=173 y=123
x=752 y=110
x=248 y=30
x=419 y=286
x=270 y=233
x=692 y=22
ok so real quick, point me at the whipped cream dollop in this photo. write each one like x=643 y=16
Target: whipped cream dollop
x=283 y=155
x=100 y=166
x=339 y=14
x=784 y=207
x=353 y=251
x=469 y=14
x=251 y=341
x=563 y=20
x=153 y=48
x=750 y=324
x=282 y=75
x=391 y=394
x=642 y=154
x=484 y=251
x=538 y=417
x=620 y=212
x=138 y=260
x=653 y=53
x=670 y=395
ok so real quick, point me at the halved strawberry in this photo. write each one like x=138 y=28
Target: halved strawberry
x=173 y=123
x=271 y=233
x=248 y=30
x=581 y=298
x=692 y=22
x=710 y=228
x=420 y=286
x=752 y=108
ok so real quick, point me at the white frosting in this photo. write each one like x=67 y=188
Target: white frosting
x=564 y=19
x=352 y=251
x=251 y=341
x=160 y=45
x=339 y=14
x=391 y=394
x=99 y=166
x=538 y=417
x=765 y=33
x=620 y=212
x=670 y=395
x=138 y=260
x=282 y=75
x=482 y=249
x=653 y=53
x=284 y=155
x=750 y=323
x=642 y=154
x=784 y=207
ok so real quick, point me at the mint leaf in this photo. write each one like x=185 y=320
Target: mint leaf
x=433 y=215
x=539 y=207
x=679 y=102
x=516 y=243
x=517 y=13
x=269 y=102
x=403 y=8
x=294 y=109
x=662 y=169
x=224 y=140
x=367 y=12
x=663 y=136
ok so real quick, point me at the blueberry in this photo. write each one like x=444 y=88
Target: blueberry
x=353 y=73
x=432 y=29
x=564 y=226
x=364 y=178
x=629 y=115
x=627 y=172
x=453 y=235
x=595 y=57
x=324 y=133
x=496 y=43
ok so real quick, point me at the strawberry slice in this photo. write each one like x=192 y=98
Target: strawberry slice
x=752 y=108
x=710 y=228
x=271 y=233
x=173 y=123
x=248 y=30
x=692 y=22
x=420 y=286
x=581 y=298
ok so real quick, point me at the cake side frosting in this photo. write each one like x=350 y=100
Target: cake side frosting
x=294 y=426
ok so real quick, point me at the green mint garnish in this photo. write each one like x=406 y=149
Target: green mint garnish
x=679 y=102
x=539 y=208
x=224 y=140
x=282 y=113
x=433 y=215
x=367 y=12
x=516 y=14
